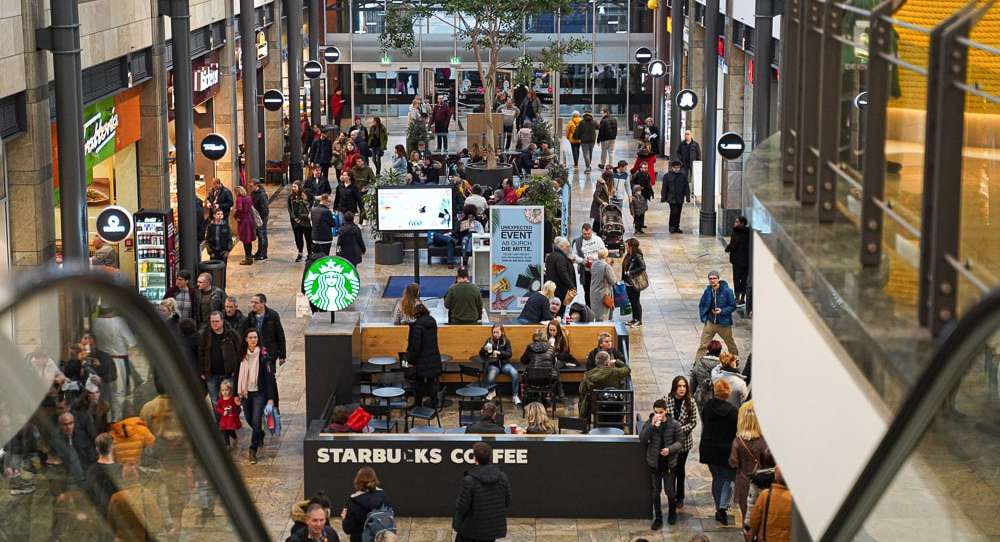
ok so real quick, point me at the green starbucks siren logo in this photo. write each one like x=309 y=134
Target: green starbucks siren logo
x=331 y=283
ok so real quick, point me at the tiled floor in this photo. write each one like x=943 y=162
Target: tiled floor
x=662 y=349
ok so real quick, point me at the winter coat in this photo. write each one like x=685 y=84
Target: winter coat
x=608 y=129
x=718 y=430
x=194 y=295
x=358 y=506
x=586 y=131
x=540 y=354
x=363 y=177
x=509 y=115
x=614 y=353
x=336 y=105
x=725 y=300
x=272 y=333
x=378 y=139
x=223 y=198
x=675 y=187
x=530 y=109
x=668 y=435
x=636 y=266
x=650 y=160
x=350 y=243
x=524 y=136
x=739 y=247
x=602 y=282
x=317 y=186
x=701 y=379
x=601 y=378
x=441 y=118
x=228 y=413
x=639 y=205
x=298 y=212
x=735 y=380
x=422 y=347
x=746 y=456
x=464 y=303
x=571 y=129
x=261 y=203
x=687 y=416
x=586 y=315
x=130 y=437
x=778 y=524
x=321 y=152
x=640 y=178
x=322 y=224
x=688 y=152
x=501 y=348
x=536 y=309
x=267 y=384
x=230 y=347
x=246 y=230
x=485 y=426
x=481 y=507
x=652 y=136
x=601 y=198
x=559 y=270
x=218 y=238
x=348 y=198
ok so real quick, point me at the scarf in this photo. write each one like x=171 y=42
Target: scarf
x=249 y=370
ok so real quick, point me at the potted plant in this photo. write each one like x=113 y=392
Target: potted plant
x=388 y=251
x=488 y=27
x=416 y=132
x=544 y=190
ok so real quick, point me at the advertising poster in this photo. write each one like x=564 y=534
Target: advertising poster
x=567 y=192
x=516 y=245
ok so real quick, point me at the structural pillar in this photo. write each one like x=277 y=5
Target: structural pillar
x=661 y=51
x=154 y=169
x=711 y=66
x=676 y=65
x=734 y=106
x=316 y=33
x=274 y=142
x=762 y=52
x=180 y=30
x=249 y=58
x=227 y=168
x=294 y=89
x=696 y=73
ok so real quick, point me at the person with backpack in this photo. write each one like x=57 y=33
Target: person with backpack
x=368 y=513
x=483 y=500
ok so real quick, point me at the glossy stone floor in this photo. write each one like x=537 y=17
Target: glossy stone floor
x=662 y=349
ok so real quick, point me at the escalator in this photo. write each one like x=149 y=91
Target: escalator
x=87 y=360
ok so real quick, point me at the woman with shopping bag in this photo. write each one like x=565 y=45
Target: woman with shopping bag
x=257 y=387
x=635 y=279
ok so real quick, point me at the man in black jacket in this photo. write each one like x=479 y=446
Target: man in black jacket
x=688 y=151
x=487 y=425
x=220 y=198
x=675 y=192
x=261 y=203
x=322 y=225
x=661 y=436
x=559 y=269
x=321 y=153
x=267 y=322
x=218 y=353
x=318 y=184
x=607 y=131
x=481 y=507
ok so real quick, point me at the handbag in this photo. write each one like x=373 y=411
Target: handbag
x=763 y=527
x=762 y=478
x=640 y=282
x=608 y=301
x=257 y=220
x=621 y=296
x=359 y=419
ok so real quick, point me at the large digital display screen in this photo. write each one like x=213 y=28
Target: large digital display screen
x=414 y=208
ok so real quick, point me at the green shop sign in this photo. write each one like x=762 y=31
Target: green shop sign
x=100 y=126
x=331 y=283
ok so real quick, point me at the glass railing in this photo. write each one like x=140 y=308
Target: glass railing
x=105 y=430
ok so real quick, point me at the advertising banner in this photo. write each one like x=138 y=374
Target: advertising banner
x=566 y=200
x=516 y=254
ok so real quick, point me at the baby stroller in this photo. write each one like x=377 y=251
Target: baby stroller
x=612 y=227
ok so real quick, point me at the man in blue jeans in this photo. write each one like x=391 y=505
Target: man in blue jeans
x=261 y=203
x=218 y=354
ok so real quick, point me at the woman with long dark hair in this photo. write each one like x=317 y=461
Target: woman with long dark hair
x=682 y=408
x=399 y=161
x=378 y=140
x=256 y=387
x=299 y=209
x=405 y=310
x=633 y=269
x=246 y=226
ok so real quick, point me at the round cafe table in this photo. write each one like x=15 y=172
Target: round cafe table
x=471 y=392
x=606 y=431
x=388 y=392
x=382 y=361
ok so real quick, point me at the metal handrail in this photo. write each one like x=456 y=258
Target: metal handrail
x=853 y=9
x=909 y=26
x=953 y=356
x=904 y=64
x=174 y=372
x=974 y=90
x=843 y=174
x=965 y=269
x=887 y=208
x=849 y=42
x=976 y=45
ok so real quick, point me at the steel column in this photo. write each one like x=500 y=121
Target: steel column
x=762 y=52
x=179 y=12
x=294 y=89
x=808 y=130
x=873 y=176
x=316 y=13
x=790 y=83
x=831 y=73
x=661 y=51
x=711 y=66
x=676 y=64
x=65 y=47
x=248 y=56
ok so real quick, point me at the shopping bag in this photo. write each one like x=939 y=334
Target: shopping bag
x=302 y=309
x=359 y=419
x=621 y=297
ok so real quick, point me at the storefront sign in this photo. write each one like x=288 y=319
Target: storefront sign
x=114 y=224
x=261 y=46
x=731 y=145
x=687 y=100
x=206 y=77
x=657 y=68
x=100 y=123
x=331 y=54
x=214 y=147
x=861 y=100
x=516 y=246
x=313 y=69
x=331 y=283
x=273 y=100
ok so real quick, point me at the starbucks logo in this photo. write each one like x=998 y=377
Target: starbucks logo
x=331 y=283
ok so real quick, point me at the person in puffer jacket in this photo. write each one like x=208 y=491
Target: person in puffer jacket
x=131 y=437
x=483 y=500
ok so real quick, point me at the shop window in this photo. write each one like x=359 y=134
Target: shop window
x=369 y=16
x=612 y=17
x=577 y=20
x=610 y=81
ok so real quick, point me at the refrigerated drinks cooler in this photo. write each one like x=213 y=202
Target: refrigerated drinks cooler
x=155 y=253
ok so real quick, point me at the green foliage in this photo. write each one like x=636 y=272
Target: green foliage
x=541 y=190
x=415 y=133
x=550 y=58
x=557 y=171
x=541 y=132
x=389 y=177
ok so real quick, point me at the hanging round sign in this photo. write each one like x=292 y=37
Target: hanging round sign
x=657 y=68
x=861 y=101
x=331 y=54
x=331 y=283
x=214 y=146
x=643 y=55
x=273 y=100
x=731 y=145
x=313 y=69
x=687 y=100
x=114 y=224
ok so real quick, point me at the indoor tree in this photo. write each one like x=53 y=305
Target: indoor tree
x=487 y=26
x=550 y=59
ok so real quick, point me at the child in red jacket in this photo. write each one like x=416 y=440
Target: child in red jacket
x=227 y=409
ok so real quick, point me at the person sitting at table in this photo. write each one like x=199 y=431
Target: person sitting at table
x=537 y=420
x=495 y=355
x=605 y=343
x=559 y=340
x=536 y=308
x=339 y=423
x=540 y=354
x=609 y=374
x=526 y=160
x=579 y=313
x=545 y=156
x=487 y=425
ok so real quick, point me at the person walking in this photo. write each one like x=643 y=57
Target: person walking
x=323 y=223
x=218 y=238
x=464 y=301
x=688 y=152
x=739 y=256
x=483 y=500
x=218 y=354
x=771 y=518
x=256 y=388
x=368 y=497
x=675 y=192
x=701 y=374
x=748 y=454
x=510 y=113
x=348 y=196
x=602 y=196
x=635 y=278
x=378 y=142
x=440 y=120
x=574 y=140
x=716 y=308
x=728 y=369
x=227 y=412
x=246 y=228
x=638 y=205
x=261 y=204
x=661 y=436
x=423 y=354
x=641 y=178
x=717 y=434
x=607 y=132
x=586 y=132
x=321 y=153
x=337 y=106
x=559 y=269
x=651 y=136
x=584 y=253
x=299 y=208
x=350 y=241
x=531 y=107
x=682 y=408
x=602 y=284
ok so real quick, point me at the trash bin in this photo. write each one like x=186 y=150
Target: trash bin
x=216 y=268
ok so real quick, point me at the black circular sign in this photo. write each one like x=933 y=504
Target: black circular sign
x=731 y=145
x=331 y=54
x=273 y=100
x=861 y=100
x=313 y=69
x=657 y=68
x=686 y=99
x=214 y=146
x=114 y=224
x=643 y=55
